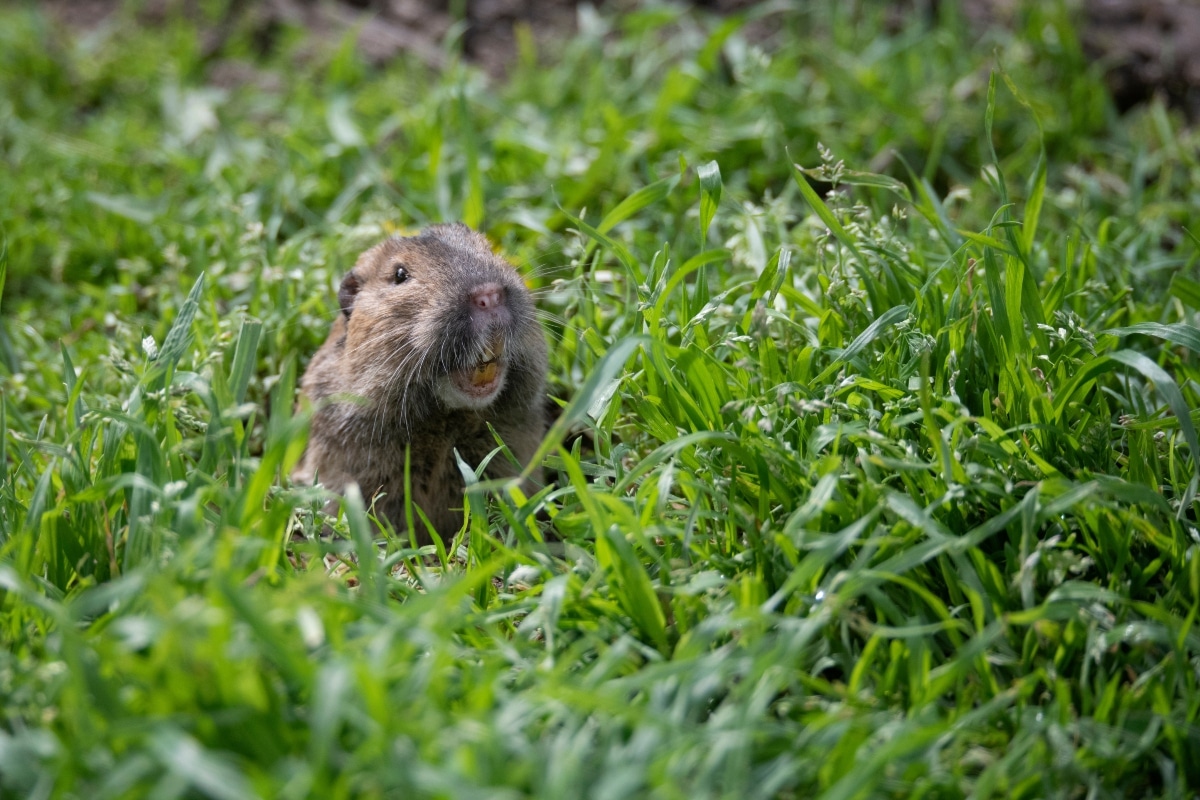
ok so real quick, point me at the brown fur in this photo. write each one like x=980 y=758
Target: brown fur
x=379 y=383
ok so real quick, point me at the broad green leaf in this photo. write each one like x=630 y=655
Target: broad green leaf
x=136 y=209
x=339 y=118
x=989 y=116
x=642 y=198
x=710 y=195
x=635 y=592
x=179 y=336
x=1169 y=390
x=1177 y=333
x=876 y=329
x=71 y=381
x=244 y=354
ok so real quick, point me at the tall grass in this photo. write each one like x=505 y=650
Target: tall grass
x=876 y=474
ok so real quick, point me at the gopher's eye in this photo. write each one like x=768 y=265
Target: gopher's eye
x=401 y=274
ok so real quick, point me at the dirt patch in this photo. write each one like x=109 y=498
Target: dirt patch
x=1148 y=48
x=489 y=28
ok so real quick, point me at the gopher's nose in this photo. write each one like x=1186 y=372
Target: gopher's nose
x=487 y=297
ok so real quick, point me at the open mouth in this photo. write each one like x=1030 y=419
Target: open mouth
x=488 y=368
x=480 y=383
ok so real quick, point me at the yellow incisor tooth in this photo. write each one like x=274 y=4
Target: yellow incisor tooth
x=484 y=373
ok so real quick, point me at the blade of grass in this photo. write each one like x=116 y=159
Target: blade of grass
x=888 y=319
x=710 y=195
x=242 y=368
x=646 y=196
x=1177 y=333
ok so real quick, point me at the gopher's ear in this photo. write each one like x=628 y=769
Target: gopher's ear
x=347 y=292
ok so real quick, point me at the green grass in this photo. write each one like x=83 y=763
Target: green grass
x=889 y=490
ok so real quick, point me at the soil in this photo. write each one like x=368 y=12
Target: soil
x=1147 y=48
